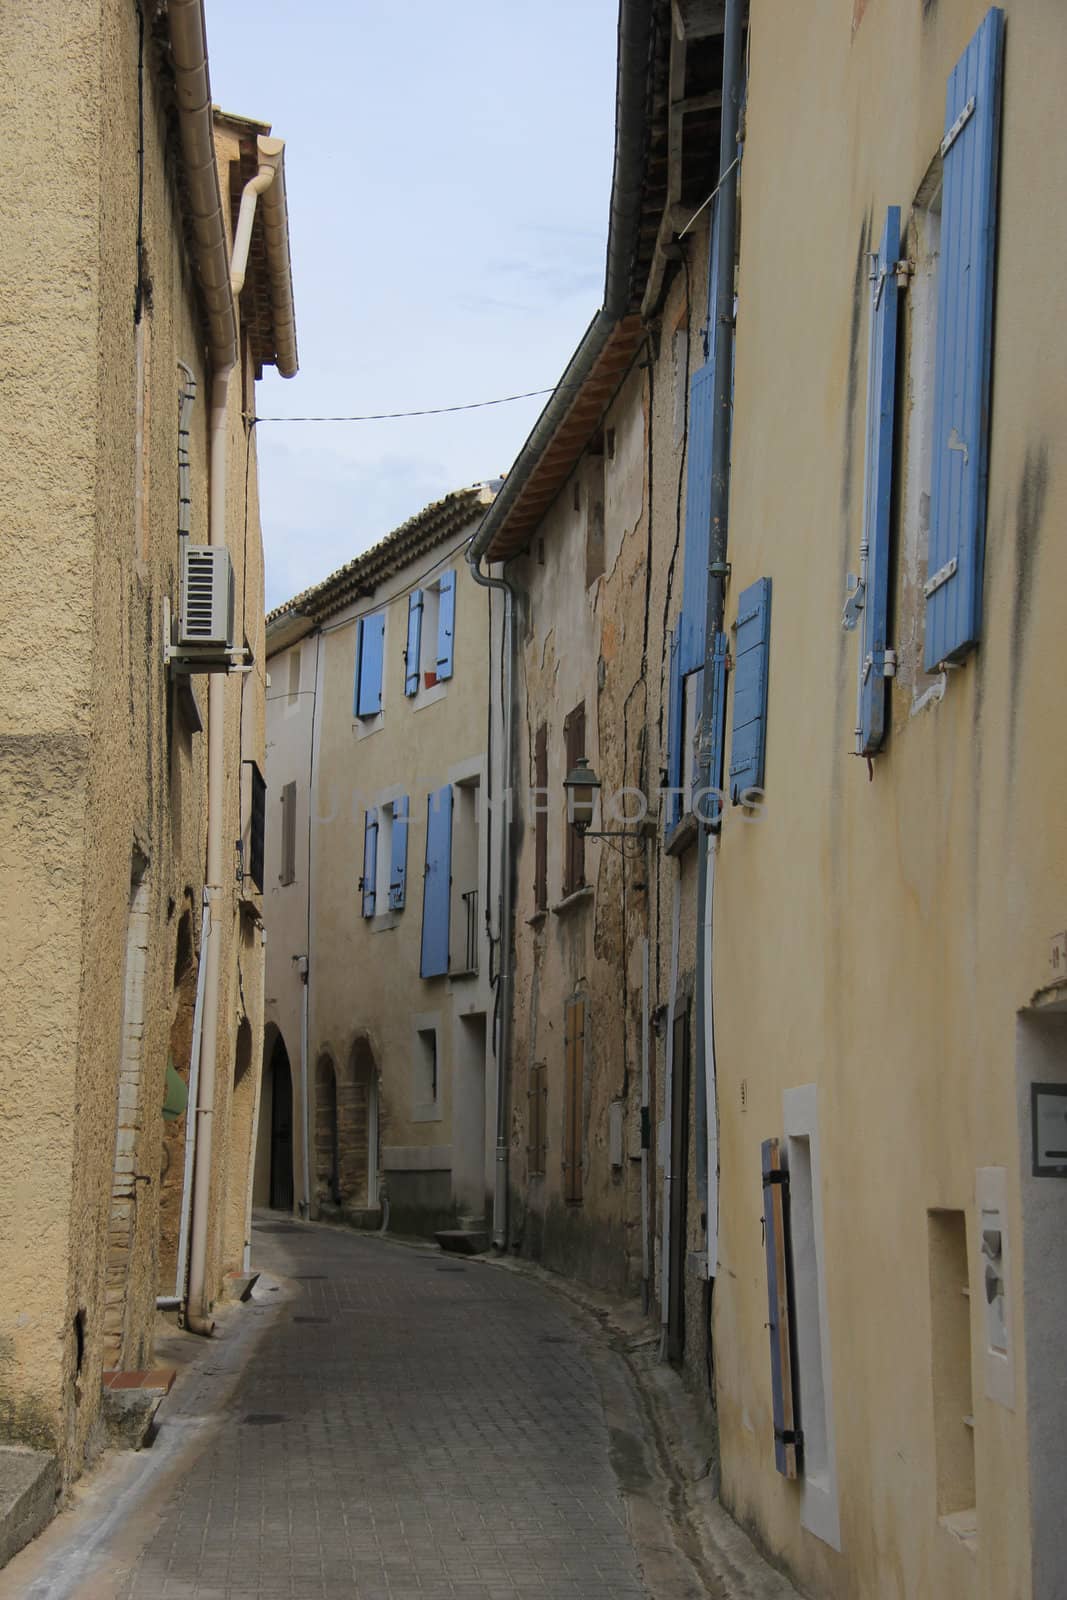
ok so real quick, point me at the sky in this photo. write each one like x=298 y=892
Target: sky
x=448 y=172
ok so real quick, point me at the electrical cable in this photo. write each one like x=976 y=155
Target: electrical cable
x=429 y=411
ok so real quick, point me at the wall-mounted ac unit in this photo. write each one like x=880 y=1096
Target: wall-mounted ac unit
x=206 y=608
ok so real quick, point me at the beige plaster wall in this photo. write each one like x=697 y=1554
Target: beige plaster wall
x=100 y=769
x=882 y=930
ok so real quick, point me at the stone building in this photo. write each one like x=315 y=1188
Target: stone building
x=130 y=360
x=793 y=1059
x=379 y=1080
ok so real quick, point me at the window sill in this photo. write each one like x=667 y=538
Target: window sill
x=463 y=972
x=576 y=898
x=681 y=836
x=382 y=921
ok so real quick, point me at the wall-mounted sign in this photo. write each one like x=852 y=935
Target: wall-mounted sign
x=1048 y=1116
x=1057 y=957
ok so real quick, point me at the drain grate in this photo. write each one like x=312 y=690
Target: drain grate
x=451 y=1269
x=310 y=1277
x=262 y=1419
x=319 y=1320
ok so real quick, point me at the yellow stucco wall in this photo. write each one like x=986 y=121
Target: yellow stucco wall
x=99 y=766
x=877 y=934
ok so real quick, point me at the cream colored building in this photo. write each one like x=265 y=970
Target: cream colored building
x=853 y=1212
x=379 y=1088
x=118 y=426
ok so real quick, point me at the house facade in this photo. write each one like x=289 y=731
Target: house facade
x=130 y=360
x=786 y=1049
x=380 y=990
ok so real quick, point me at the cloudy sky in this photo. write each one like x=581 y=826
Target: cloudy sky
x=448 y=165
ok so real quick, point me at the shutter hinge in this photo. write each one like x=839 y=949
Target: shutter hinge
x=940 y=577
x=957 y=127
x=790 y=1436
x=855 y=594
x=780 y=1176
x=904 y=270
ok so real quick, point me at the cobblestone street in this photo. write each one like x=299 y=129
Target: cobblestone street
x=409 y=1425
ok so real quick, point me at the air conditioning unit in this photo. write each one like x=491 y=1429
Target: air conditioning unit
x=206 y=608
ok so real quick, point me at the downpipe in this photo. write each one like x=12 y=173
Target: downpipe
x=503 y=1072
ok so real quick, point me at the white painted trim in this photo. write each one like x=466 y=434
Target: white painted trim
x=819 y=1508
x=991 y=1196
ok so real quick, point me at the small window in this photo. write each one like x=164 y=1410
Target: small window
x=437 y=632
x=427 y=1074
x=465 y=909
x=950 y=1333
x=288 y=861
x=294 y=675
x=573 y=843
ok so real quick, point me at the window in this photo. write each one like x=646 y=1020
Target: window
x=464 y=908
x=370 y=661
x=427 y=1085
x=950 y=1359
x=288 y=862
x=574 y=1031
x=437 y=884
x=573 y=842
x=255 y=809
x=430 y=651
x=537 y=1119
x=540 y=800
x=294 y=675
x=750 y=677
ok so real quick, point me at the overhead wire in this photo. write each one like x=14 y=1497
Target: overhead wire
x=428 y=411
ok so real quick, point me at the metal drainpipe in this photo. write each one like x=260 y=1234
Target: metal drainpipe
x=500 y=1185
x=722 y=333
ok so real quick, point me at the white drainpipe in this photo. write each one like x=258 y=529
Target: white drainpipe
x=198 y=1312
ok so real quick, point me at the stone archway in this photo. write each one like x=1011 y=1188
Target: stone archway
x=273 y=1184
x=357 y=1121
x=327 y=1137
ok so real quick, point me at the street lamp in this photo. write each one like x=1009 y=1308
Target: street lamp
x=582 y=786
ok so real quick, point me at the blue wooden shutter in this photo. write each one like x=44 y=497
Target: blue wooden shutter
x=775 y=1237
x=446 y=624
x=751 y=642
x=437 y=884
x=964 y=347
x=711 y=810
x=370 y=651
x=414 y=644
x=369 y=880
x=673 y=763
x=878 y=485
x=398 y=866
x=697 y=519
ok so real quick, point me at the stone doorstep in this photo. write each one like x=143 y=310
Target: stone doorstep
x=463 y=1241
x=239 y=1285
x=157 y=1380
x=29 y=1484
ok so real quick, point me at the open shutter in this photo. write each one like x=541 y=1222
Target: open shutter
x=574 y=1075
x=414 y=644
x=751 y=643
x=775 y=1234
x=437 y=884
x=673 y=809
x=713 y=757
x=878 y=485
x=964 y=347
x=370 y=650
x=697 y=518
x=446 y=625
x=368 y=882
x=398 y=866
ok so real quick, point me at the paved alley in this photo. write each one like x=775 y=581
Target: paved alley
x=408 y=1425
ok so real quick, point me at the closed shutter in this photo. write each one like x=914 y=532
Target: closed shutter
x=964 y=347
x=414 y=642
x=776 y=1240
x=257 y=826
x=437 y=883
x=288 y=862
x=673 y=763
x=446 y=625
x=751 y=642
x=713 y=778
x=398 y=866
x=878 y=486
x=369 y=881
x=370 y=651
x=574 y=842
x=574 y=1078
x=541 y=818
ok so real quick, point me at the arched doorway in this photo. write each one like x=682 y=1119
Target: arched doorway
x=327 y=1142
x=274 y=1146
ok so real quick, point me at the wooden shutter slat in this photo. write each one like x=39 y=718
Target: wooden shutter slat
x=413 y=646
x=748 y=741
x=446 y=625
x=541 y=818
x=437 y=884
x=370 y=862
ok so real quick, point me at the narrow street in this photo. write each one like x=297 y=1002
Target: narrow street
x=405 y=1424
